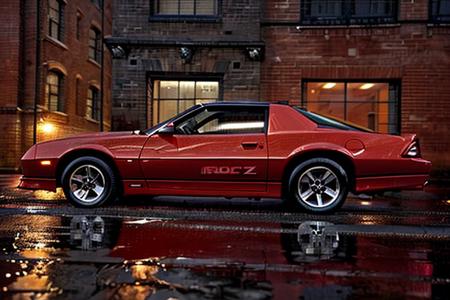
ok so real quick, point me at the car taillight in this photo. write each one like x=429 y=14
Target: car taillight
x=413 y=150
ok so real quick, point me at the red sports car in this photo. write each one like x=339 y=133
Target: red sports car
x=231 y=150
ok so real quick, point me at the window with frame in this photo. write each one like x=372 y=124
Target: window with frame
x=185 y=8
x=54 y=95
x=374 y=105
x=440 y=11
x=220 y=120
x=348 y=12
x=95 y=44
x=93 y=104
x=55 y=19
x=170 y=97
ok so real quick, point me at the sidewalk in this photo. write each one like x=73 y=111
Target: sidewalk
x=9 y=180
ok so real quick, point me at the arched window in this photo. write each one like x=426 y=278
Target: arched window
x=93 y=104
x=95 y=44
x=54 y=91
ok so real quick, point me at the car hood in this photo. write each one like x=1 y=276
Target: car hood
x=91 y=136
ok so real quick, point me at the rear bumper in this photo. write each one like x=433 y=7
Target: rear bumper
x=397 y=182
x=31 y=183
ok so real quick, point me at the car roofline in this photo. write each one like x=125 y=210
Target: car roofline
x=235 y=103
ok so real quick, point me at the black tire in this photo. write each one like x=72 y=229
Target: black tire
x=317 y=164
x=108 y=180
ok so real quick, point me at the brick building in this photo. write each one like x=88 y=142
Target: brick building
x=68 y=95
x=383 y=64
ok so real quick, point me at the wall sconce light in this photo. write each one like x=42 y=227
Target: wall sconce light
x=118 y=51
x=254 y=53
x=186 y=54
x=47 y=127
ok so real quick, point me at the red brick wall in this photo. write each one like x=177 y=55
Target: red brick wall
x=17 y=101
x=9 y=52
x=415 y=53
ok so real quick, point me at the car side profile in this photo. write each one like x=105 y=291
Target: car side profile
x=230 y=149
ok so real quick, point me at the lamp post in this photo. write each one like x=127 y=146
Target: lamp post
x=37 y=84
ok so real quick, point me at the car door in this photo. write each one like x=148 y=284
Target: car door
x=219 y=147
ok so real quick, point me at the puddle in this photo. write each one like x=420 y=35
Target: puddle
x=81 y=257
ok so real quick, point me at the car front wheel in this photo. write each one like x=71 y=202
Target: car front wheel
x=318 y=185
x=88 y=182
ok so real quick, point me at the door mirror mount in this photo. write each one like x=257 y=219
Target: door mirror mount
x=168 y=129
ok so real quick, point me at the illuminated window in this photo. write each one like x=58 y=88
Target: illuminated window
x=95 y=44
x=93 y=104
x=171 y=97
x=189 y=8
x=348 y=12
x=440 y=11
x=55 y=19
x=54 y=99
x=370 y=104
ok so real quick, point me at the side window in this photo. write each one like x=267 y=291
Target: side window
x=216 y=120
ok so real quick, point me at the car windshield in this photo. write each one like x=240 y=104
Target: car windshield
x=151 y=130
x=331 y=122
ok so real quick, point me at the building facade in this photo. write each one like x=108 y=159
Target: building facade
x=382 y=64
x=63 y=95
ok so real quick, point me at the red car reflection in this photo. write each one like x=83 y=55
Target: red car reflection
x=231 y=150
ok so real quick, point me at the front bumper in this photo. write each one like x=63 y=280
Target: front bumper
x=31 y=183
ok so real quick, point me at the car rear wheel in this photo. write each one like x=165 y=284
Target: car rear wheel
x=318 y=185
x=88 y=182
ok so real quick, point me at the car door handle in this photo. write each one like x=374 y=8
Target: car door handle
x=250 y=145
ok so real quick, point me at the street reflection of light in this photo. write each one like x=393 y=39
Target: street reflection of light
x=47 y=195
x=139 y=222
x=39 y=245
x=366 y=203
x=368 y=220
x=143 y=272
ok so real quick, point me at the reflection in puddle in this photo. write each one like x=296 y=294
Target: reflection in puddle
x=87 y=233
x=316 y=240
x=93 y=256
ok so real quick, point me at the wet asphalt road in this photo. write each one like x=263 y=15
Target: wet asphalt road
x=212 y=248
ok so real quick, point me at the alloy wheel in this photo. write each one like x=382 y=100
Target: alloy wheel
x=87 y=183
x=318 y=187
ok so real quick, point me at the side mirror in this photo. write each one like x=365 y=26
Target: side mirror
x=168 y=129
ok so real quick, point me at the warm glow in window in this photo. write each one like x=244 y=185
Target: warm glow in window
x=170 y=97
x=370 y=104
x=185 y=7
